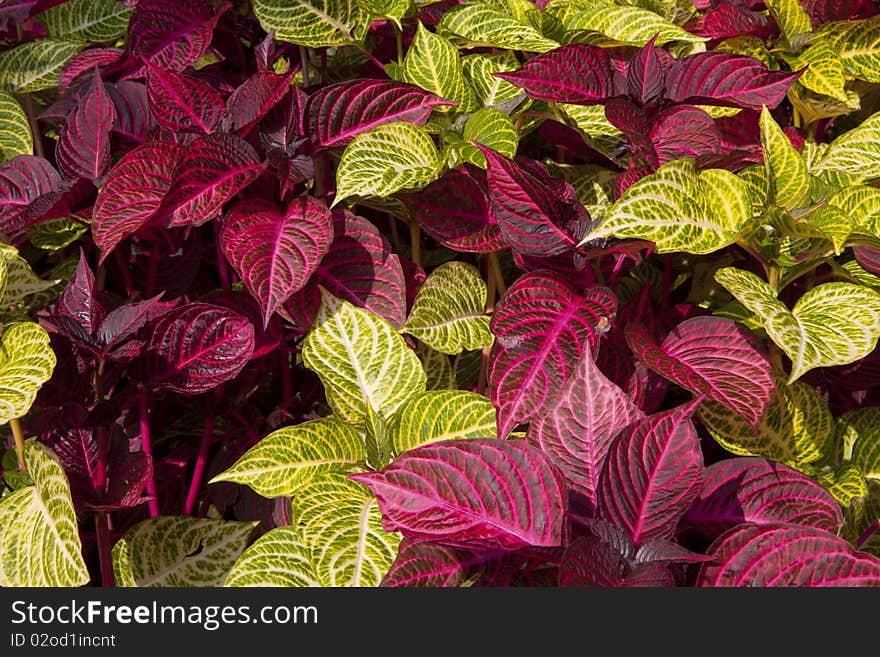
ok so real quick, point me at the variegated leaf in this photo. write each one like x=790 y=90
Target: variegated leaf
x=312 y=23
x=629 y=25
x=15 y=131
x=486 y=24
x=478 y=71
x=438 y=368
x=434 y=64
x=26 y=363
x=858 y=45
x=489 y=127
x=825 y=72
x=95 y=21
x=278 y=558
x=442 y=415
x=859 y=431
x=790 y=17
x=856 y=151
x=35 y=66
x=786 y=169
x=21 y=281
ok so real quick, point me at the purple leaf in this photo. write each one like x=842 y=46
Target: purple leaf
x=483 y=491
x=211 y=171
x=714 y=357
x=77 y=312
x=254 y=99
x=425 y=564
x=732 y=20
x=336 y=114
x=276 y=250
x=592 y=561
x=266 y=340
x=632 y=120
x=85 y=62
x=198 y=346
x=684 y=131
x=720 y=78
x=83 y=149
x=868 y=258
x=132 y=192
x=454 y=210
x=534 y=217
x=23 y=179
x=172 y=34
x=134 y=121
x=755 y=490
x=652 y=473
x=576 y=73
x=181 y=104
x=781 y=555
x=579 y=423
x=116 y=335
x=542 y=326
x=282 y=129
x=646 y=74
x=826 y=11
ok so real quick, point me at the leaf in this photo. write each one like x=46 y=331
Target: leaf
x=292 y=457
x=781 y=555
x=629 y=25
x=77 y=312
x=95 y=21
x=361 y=360
x=55 y=234
x=312 y=23
x=479 y=70
x=449 y=313
x=276 y=250
x=15 y=131
x=858 y=45
x=134 y=121
x=542 y=326
x=680 y=209
x=386 y=159
x=856 y=151
x=210 y=172
x=26 y=363
x=35 y=66
x=39 y=538
x=493 y=129
x=712 y=357
x=337 y=113
x=181 y=103
x=649 y=493
x=434 y=64
x=342 y=528
x=176 y=551
x=576 y=73
x=277 y=558
x=483 y=24
x=786 y=169
x=796 y=428
x=172 y=35
x=825 y=72
x=482 y=490
x=790 y=17
x=23 y=179
x=83 y=149
x=755 y=490
x=442 y=415
x=425 y=564
x=832 y=324
x=860 y=433
x=578 y=425
x=21 y=281
x=85 y=62
x=132 y=192
x=255 y=98
x=593 y=561
x=198 y=346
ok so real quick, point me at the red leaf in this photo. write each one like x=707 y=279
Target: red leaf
x=85 y=62
x=254 y=99
x=170 y=33
x=83 y=148
x=183 y=104
x=23 y=179
x=425 y=564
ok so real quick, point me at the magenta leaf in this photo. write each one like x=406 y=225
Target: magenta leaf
x=826 y=11
x=132 y=192
x=646 y=74
x=576 y=73
x=85 y=62
x=170 y=33
x=77 y=312
x=579 y=423
x=651 y=475
x=542 y=327
x=454 y=210
x=777 y=555
x=134 y=121
x=714 y=357
x=211 y=171
x=868 y=258
x=23 y=180
x=83 y=148
x=720 y=78
x=266 y=339
x=198 y=346
x=480 y=491
x=276 y=250
x=339 y=112
x=593 y=561
x=425 y=564
x=116 y=337
x=684 y=131
x=254 y=99
x=181 y=103
x=534 y=217
x=731 y=20
x=755 y=490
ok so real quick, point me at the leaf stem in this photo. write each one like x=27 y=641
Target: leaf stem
x=495 y=266
x=398 y=33
x=201 y=461
x=774 y=351
x=18 y=435
x=370 y=56
x=221 y=259
x=867 y=534
x=144 y=408
x=105 y=547
x=304 y=61
x=28 y=106
x=125 y=273
x=415 y=239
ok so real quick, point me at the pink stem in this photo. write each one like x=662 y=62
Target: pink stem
x=102 y=531
x=201 y=462
x=867 y=534
x=124 y=272
x=148 y=450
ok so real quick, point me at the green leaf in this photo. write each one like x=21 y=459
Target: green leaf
x=393 y=10
x=489 y=127
x=97 y=21
x=755 y=177
x=15 y=131
x=341 y=525
x=449 y=312
x=179 y=551
x=790 y=17
x=278 y=558
x=861 y=203
x=680 y=209
x=825 y=72
x=832 y=324
x=845 y=483
x=378 y=442
x=858 y=46
x=863 y=276
x=490 y=90
x=315 y=24
x=386 y=159
x=361 y=360
x=26 y=363
x=857 y=151
x=292 y=457
x=796 y=428
x=833 y=223
x=55 y=234
x=786 y=169
x=860 y=433
x=591 y=121
x=485 y=24
x=438 y=368
x=434 y=64
x=39 y=537
x=442 y=415
x=21 y=281
x=35 y=66
x=629 y=25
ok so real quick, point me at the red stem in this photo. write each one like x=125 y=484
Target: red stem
x=201 y=462
x=144 y=403
x=124 y=272
x=867 y=534
x=221 y=259
x=102 y=531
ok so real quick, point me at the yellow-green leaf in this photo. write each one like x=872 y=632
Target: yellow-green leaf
x=485 y=24
x=35 y=66
x=26 y=363
x=278 y=558
x=313 y=23
x=434 y=64
x=790 y=17
x=786 y=169
x=15 y=132
x=845 y=483
x=825 y=72
x=179 y=551
x=858 y=45
x=857 y=151
x=860 y=433
x=629 y=25
x=489 y=127
x=393 y=10
x=96 y=21
x=39 y=537
x=490 y=90
x=832 y=324
x=833 y=223
x=442 y=415
x=591 y=121
x=438 y=368
x=361 y=360
x=861 y=203
x=386 y=159
x=21 y=281
x=55 y=234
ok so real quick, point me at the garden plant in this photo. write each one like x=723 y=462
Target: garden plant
x=415 y=293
